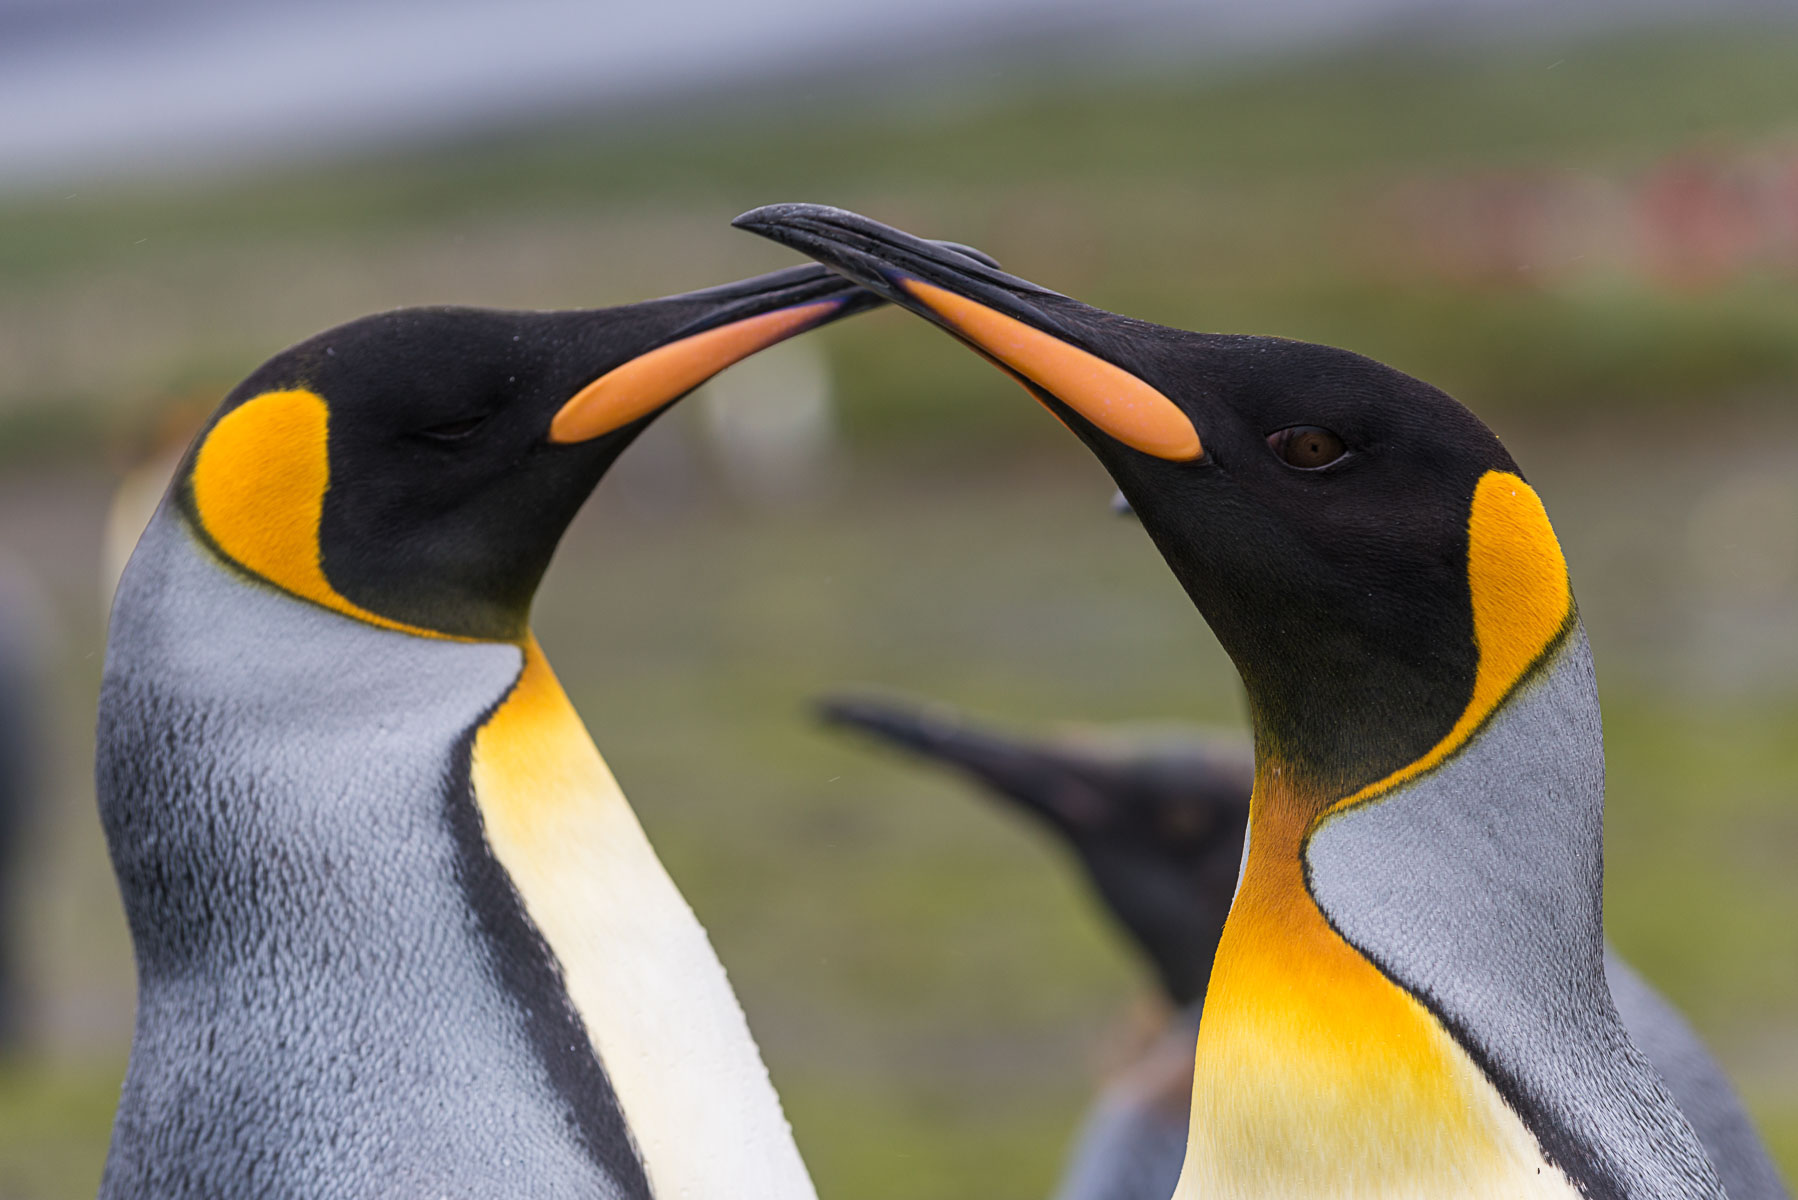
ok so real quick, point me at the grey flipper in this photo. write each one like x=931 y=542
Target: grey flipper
x=1704 y=1093
x=323 y=1009
x=1477 y=887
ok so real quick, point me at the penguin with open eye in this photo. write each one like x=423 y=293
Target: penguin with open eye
x=397 y=931
x=1408 y=997
x=1156 y=824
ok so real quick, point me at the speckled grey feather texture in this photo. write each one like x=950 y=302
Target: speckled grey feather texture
x=1478 y=888
x=1698 y=1084
x=319 y=1010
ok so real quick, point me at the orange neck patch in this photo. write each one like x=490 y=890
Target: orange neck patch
x=259 y=483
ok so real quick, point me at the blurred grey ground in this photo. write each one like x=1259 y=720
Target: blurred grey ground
x=103 y=87
x=1590 y=236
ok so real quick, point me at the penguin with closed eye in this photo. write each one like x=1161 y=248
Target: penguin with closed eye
x=397 y=930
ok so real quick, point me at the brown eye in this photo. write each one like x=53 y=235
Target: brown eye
x=1307 y=447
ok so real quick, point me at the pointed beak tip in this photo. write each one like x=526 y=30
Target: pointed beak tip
x=756 y=219
x=771 y=216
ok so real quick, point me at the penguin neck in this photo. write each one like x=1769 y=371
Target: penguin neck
x=1408 y=999
x=636 y=963
x=1316 y=1074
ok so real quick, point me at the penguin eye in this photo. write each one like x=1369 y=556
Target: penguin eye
x=454 y=431
x=1306 y=447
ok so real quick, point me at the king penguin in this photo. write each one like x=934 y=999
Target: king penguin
x=397 y=931
x=1408 y=997
x=1156 y=824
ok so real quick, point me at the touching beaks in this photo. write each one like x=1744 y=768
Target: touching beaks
x=991 y=311
x=735 y=321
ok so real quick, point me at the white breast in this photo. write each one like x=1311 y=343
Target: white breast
x=638 y=965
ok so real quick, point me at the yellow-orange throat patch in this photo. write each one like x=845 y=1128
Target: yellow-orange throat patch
x=1315 y=1074
x=259 y=483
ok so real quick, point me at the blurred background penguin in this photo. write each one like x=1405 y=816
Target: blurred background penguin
x=1579 y=218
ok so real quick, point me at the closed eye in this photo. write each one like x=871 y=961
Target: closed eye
x=454 y=431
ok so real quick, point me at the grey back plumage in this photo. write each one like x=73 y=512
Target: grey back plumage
x=321 y=1012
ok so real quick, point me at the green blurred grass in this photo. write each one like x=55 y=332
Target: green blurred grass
x=53 y=1125
x=1256 y=197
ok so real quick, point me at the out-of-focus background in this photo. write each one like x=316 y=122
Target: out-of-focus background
x=1581 y=219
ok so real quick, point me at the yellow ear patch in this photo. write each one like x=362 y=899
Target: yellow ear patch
x=1521 y=602
x=645 y=383
x=259 y=485
x=1110 y=397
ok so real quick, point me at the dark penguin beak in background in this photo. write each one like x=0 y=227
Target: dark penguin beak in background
x=1029 y=775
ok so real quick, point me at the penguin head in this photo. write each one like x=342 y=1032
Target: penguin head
x=1157 y=826
x=1158 y=831
x=1362 y=545
x=415 y=469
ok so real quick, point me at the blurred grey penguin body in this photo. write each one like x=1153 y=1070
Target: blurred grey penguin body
x=321 y=1011
x=1698 y=1084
